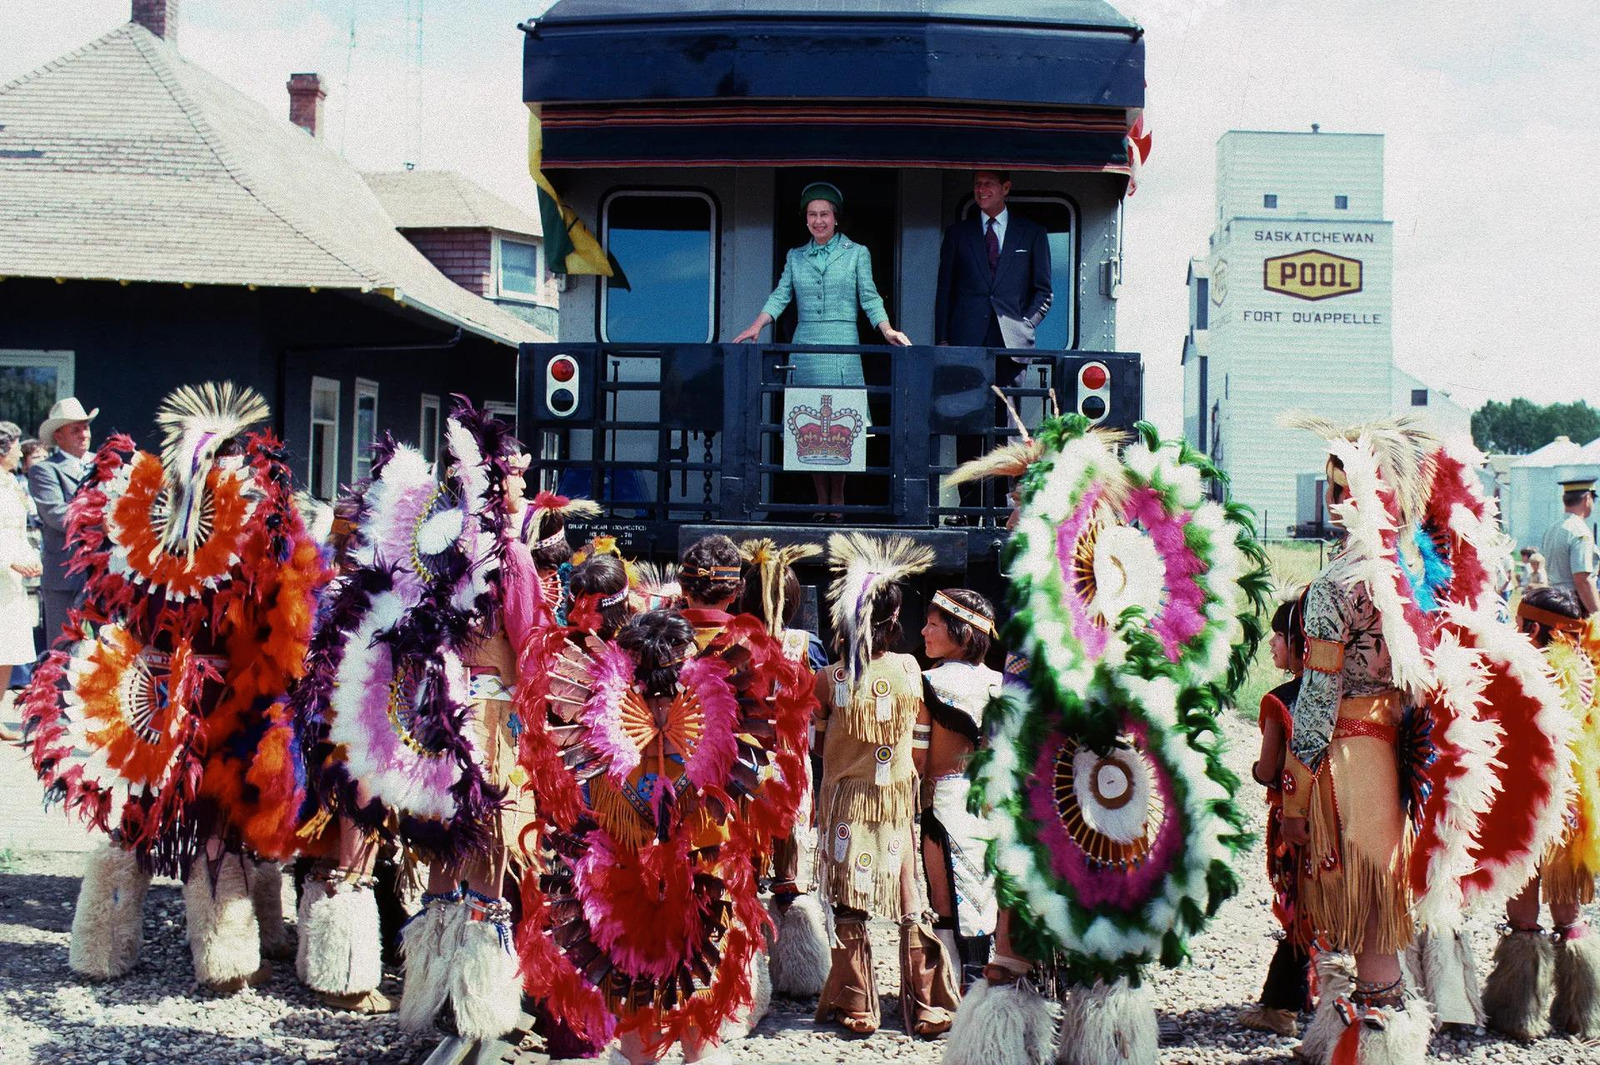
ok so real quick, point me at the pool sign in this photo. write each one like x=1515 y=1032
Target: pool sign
x=1312 y=275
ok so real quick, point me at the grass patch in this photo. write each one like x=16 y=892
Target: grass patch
x=8 y=860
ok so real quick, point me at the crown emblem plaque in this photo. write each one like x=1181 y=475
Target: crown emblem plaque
x=825 y=429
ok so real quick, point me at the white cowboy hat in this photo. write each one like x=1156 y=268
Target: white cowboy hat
x=65 y=412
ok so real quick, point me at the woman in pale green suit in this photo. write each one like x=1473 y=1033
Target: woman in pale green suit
x=828 y=280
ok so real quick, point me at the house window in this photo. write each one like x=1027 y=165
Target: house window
x=30 y=384
x=324 y=450
x=1269 y=200
x=428 y=429
x=1202 y=303
x=1341 y=203
x=521 y=269
x=505 y=411
x=1059 y=218
x=666 y=242
x=1419 y=397
x=366 y=433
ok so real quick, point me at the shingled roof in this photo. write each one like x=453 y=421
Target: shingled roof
x=124 y=161
x=444 y=199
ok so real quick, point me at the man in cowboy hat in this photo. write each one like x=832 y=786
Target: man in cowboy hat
x=52 y=482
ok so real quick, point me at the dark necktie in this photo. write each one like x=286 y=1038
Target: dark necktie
x=992 y=243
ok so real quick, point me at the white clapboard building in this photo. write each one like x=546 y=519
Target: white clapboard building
x=1292 y=306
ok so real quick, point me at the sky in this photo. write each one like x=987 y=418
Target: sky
x=1490 y=109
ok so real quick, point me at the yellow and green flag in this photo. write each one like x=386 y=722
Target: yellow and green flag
x=569 y=246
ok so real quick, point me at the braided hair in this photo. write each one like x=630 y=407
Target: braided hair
x=660 y=641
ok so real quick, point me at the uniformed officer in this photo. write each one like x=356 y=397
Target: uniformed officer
x=1569 y=550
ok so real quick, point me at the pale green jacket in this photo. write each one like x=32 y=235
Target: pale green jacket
x=830 y=286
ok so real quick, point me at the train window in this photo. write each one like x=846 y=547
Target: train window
x=666 y=242
x=1058 y=331
x=1269 y=199
x=1341 y=203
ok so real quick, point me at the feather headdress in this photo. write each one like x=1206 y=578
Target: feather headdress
x=547 y=505
x=1402 y=446
x=866 y=565
x=196 y=421
x=771 y=563
x=652 y=587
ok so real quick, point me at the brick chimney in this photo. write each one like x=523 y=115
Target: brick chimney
x=160 y=17
x=305 y=102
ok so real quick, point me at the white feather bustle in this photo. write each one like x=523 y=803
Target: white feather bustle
x=1577 y=997
x=108 y=921
x=800 y=954
x=481 y=983
x=1108 y=1024
x=1006 y=1024
x=428 y=942
x=342 y=944
x=266 y=888
x=1461 y=683
x=1521 y=986
x=224 y=936
x=1335 y=977
x=1502 y=643
x=1444 y=970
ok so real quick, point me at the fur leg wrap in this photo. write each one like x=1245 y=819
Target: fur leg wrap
x=1108 y=1024
x=428 y=942
x=800 y=953
x=482 y=985
x=1442 y=960
x=1335 y=977
x=1404 y=1038
x=761 y=1001
x=1577 y=998
x=108 y=923
x=1004 y=1024
x=1521 y=987
x=224 y=936
x=266 y=886
x=342 y=946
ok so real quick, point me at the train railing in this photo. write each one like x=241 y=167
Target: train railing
x=689 y=434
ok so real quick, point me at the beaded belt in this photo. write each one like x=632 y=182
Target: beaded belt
x=489 y=687
x=1368 y=715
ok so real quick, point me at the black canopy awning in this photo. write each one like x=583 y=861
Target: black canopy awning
x=1047 y=85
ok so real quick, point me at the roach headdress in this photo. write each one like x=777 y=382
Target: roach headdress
x=866 y=565
x=771 y=564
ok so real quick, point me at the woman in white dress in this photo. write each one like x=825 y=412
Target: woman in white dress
x=19 y=560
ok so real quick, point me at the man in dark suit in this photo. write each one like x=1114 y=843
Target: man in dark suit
x=994 y=290
x=994 y=274
x=52 y=481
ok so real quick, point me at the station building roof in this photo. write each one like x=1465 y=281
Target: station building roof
x=123 y=161
x=1029 y=84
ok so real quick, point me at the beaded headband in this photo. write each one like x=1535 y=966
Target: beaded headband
x=963 y=613
x=715 y=573
x=614 y=598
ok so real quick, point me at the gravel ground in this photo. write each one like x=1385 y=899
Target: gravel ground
x=158 y=1015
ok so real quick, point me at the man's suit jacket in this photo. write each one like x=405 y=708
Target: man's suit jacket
x=969 y=297
x=52 y=481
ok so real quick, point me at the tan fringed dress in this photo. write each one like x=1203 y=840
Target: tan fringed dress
x=1343 y=771
x=868 y=801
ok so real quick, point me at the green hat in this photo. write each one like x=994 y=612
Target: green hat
x=821 y=190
